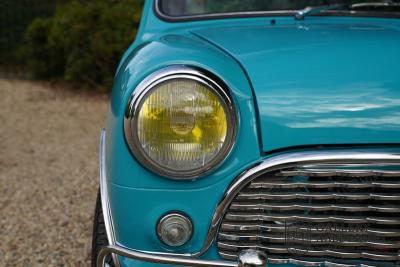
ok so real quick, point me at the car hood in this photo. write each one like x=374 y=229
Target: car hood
x=320 y=84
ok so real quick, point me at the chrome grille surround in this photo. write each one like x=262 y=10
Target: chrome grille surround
x=347 y=203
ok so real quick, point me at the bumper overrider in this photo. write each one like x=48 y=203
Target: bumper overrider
x=248 y=258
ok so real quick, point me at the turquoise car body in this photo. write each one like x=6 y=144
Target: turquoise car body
x=325 y=83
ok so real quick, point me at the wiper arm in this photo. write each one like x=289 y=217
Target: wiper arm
x=310 y=10
x=386 y=3
x=301 y=14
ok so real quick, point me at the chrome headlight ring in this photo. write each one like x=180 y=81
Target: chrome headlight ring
x=147 y=86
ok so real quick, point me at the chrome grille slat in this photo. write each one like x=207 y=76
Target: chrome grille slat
x=344 y=173
x=270 y=228
x=295 y=218
x=335 y=196
x=330 y=213
x=261 y=207
x=315 y=253
x=369 y=185
x=246 y=238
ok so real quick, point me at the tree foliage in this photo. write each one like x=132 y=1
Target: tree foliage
x=15 y=16
x=83 y=42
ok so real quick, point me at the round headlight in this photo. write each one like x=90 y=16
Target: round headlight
x=180 y=122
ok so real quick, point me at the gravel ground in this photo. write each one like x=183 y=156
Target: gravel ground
x=48 y=173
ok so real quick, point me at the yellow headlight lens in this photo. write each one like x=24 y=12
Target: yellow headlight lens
x=182 y=124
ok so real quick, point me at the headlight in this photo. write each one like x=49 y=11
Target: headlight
x=180 y=122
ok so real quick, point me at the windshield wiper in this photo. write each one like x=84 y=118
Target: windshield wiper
x=310 y=10
x=302 y=13
x=387 y=3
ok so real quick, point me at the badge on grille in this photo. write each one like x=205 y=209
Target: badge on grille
x=326 y=235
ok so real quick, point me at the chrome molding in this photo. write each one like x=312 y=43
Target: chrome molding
x=108 y=222
x=160 y=259
x=272 y=13
x=248 y=258
x=147 y=85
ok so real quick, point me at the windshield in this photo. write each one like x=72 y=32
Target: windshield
x=188 y=8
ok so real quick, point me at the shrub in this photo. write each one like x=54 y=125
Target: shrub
x=15 y=16
x=83 y=42
x=44 y=59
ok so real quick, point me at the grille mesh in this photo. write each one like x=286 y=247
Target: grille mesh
x=318 y=214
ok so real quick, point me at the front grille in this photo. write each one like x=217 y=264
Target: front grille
x=334 y=215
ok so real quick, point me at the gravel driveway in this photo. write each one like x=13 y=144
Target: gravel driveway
x=48 y=173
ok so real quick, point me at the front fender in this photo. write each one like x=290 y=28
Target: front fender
x=136 y=192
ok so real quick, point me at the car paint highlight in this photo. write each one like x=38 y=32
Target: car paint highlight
x=334 y=83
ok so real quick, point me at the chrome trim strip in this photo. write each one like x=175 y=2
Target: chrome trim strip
x=160 y=259
x=325 y=185
x=234 y=216
x=169 y=73
x=108 y=222
x=352 y=173
x=317 y=196
x=273 y=13
x=237 y=206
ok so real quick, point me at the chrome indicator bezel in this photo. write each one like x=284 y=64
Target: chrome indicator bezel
x=183 y=217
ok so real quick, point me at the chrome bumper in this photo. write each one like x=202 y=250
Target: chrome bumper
x=248 y=258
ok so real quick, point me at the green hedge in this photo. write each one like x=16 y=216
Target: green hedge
x=83 y=42
x=15 y=16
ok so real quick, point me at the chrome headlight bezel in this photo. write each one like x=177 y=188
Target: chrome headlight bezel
x=146 y=87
